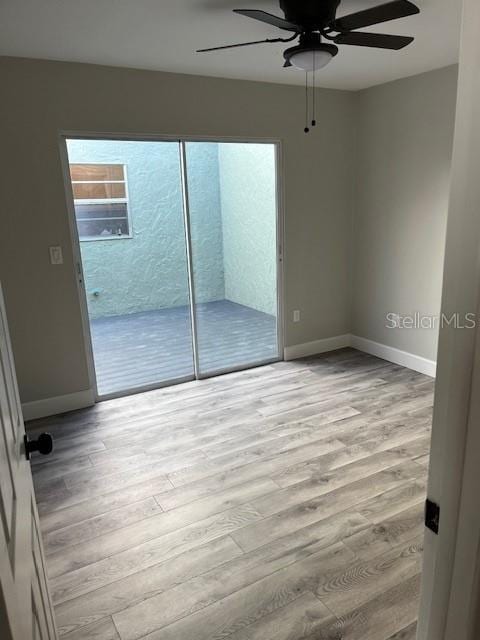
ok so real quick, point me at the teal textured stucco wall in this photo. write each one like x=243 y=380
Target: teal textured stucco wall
x=248 y=200
x=149 y=271
x=233 y=227
x=205 y=220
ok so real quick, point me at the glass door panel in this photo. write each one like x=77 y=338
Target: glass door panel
x=233 y=234
x=129 y=215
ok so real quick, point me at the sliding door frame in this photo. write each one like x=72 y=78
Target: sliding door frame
x=65 y=135
x=199 y=375
x=188 y=247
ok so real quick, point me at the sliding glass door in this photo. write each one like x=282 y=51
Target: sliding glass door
x=129 y=216
x=233 y=230
x=177 y=248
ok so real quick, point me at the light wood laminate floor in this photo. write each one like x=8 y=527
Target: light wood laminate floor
x=284 y=503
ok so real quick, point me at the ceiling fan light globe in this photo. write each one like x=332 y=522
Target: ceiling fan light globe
x=310 y=60
x=310 y=54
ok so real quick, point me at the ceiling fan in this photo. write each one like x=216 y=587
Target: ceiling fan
x=313 y=21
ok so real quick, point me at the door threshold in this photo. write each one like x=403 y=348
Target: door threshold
x=170 y=383
x=143 y=389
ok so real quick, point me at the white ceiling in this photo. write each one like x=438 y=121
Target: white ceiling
x=163 y=35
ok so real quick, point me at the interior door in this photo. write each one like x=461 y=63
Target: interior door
x=25 y=606
x=450 y=591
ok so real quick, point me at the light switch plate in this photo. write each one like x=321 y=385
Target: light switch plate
x=56 y=255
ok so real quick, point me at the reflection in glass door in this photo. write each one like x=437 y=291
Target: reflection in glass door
x=177 y=244
x=129 y=216
x=233 y=233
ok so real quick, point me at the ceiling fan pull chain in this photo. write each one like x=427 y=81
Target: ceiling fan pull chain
x=314 y=121
x=306 y=103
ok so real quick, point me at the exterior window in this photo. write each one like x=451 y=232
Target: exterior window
x=101 y=201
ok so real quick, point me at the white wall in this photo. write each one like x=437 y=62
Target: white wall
x=405 y=137
x=42 y=98
x=393 y=142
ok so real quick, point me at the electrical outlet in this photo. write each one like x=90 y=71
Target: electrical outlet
x=296 y=316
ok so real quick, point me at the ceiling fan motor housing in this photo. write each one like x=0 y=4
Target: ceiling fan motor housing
x=312 y=15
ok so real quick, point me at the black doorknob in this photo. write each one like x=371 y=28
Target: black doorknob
x=43 y=444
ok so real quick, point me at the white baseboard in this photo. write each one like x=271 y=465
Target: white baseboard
x=59 y=404
x=403 y=358
x=317 y=346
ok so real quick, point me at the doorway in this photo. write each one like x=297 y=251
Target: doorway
x=178 y=252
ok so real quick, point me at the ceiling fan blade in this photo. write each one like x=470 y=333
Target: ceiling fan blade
x=234 y=46
x=377 y=40
x=269 y=18
x=376 y=15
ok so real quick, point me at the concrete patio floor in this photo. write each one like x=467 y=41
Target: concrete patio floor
x=152 y=347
